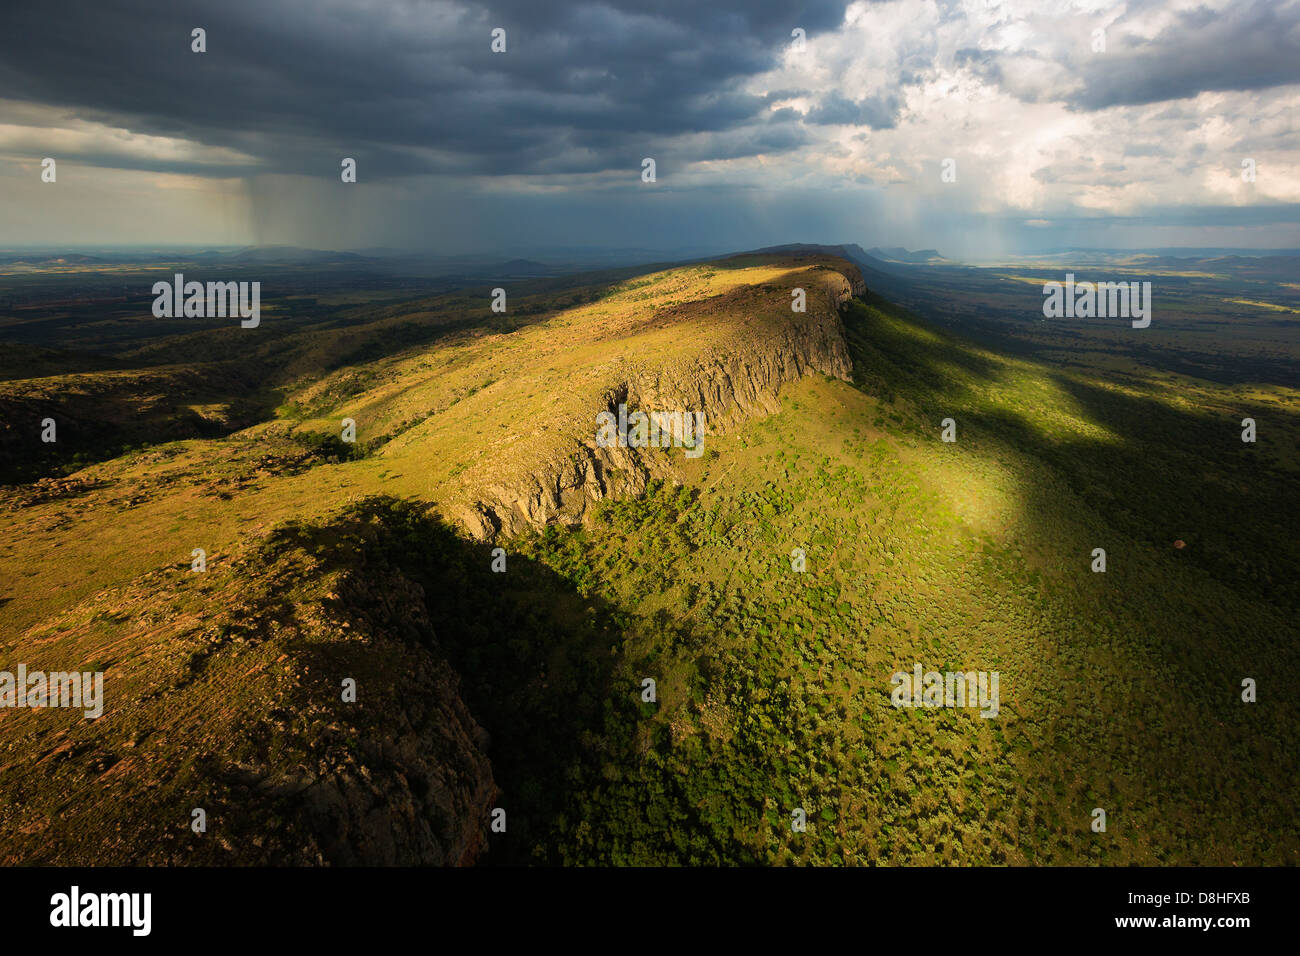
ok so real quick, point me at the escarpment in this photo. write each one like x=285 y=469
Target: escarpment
x=726 y=357
x=323 y=692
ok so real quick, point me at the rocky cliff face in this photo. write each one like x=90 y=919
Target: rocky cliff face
x=735 y=373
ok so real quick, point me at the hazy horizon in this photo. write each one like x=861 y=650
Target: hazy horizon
x=574 y=255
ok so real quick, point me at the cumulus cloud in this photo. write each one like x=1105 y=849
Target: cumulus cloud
x=1054 y=106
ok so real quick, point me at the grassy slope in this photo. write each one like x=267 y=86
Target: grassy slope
x=482 y=400
x=1118 y=690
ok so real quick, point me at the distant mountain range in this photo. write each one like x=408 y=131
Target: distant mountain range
x=899 y=254
x=889 y=262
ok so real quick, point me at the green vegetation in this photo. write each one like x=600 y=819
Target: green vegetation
x=1118 y=690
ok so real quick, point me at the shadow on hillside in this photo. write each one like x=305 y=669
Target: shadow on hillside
x=1007 y=317
x=96 y=427
x=532 y=654
x=1173 y=474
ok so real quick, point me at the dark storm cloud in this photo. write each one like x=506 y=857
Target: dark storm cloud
x=413 y=86
x=877 y=112
x=1248 y=46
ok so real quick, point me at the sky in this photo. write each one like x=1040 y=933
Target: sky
x=979 y=128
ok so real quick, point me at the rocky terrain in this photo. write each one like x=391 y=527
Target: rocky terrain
x=734 y=373
x=226 y=688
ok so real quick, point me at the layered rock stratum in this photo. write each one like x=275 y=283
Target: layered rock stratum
x=742 y=347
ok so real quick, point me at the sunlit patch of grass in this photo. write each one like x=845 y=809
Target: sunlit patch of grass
x=1034 y=397
x=1271 y=306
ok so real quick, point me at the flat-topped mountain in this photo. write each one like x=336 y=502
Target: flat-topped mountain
x=368 y=584
x=225 y=685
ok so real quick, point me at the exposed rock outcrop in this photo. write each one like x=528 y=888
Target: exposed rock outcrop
x=226 y=691
x=750 y=344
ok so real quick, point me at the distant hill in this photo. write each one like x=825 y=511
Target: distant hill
x=37 y=259
x=1269 y=265
x=874 y=271
x=899 y=254
x=883 y=276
